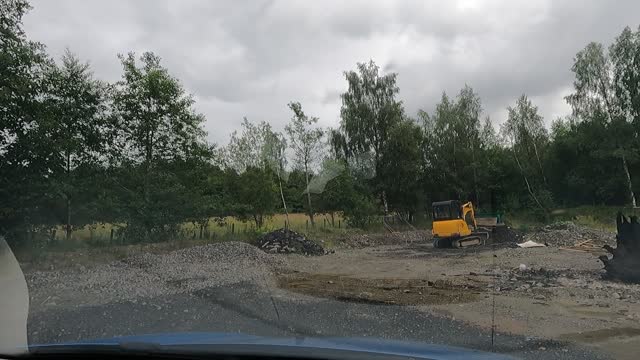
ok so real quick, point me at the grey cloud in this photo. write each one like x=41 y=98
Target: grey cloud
x=535 y=60
x=331 y=97
x=252 y=57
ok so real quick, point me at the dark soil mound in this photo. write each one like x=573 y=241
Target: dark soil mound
x=284 y=241
x=505 y=234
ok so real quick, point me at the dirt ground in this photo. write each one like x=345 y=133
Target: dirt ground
x=558 y=294
x=555 y=292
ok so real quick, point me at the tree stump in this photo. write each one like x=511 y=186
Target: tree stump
x=624 y=263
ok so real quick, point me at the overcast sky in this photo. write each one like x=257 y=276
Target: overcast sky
x=250 y=58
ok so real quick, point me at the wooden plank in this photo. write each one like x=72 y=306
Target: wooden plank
x=583 y=242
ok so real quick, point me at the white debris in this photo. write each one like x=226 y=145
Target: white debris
x=530 y=244
x=522 y=267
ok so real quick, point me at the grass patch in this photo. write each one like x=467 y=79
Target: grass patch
x=228 y=228
x=596 y=217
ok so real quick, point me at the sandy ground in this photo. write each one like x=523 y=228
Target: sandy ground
x=560 y=296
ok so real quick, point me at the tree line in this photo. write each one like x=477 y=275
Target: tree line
x=75 y=150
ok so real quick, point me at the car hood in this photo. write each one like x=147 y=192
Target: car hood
x=248 y=344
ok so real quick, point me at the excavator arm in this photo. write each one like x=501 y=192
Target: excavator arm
x=468 y=209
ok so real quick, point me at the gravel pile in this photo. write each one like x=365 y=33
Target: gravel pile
x=152 y=275
x=366 y=240
x=284 y=241
x=569 y=234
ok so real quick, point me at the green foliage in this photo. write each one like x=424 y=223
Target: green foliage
x=157 y=132
x=359 y=210
x=369 y=111
x=24 y=150
x=528 y=140
x=606 y=90
x=76 y=126
x=457 y=149
x=255 y=195
x=75 y=151
x=306 y=144
x=400 y=169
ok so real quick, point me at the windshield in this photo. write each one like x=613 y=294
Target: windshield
x=279 y=169
x=445 y=212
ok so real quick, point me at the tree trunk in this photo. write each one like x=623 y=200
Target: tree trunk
x=383 y=195
x=284 y=203
x=632 y=196
x=475 y=179
x=257 y=218
x=333 y=222
x=384 y=202
x=306 y=176
x=526 y=181
x=68 y=196
x=535 y=150
x=68 y=227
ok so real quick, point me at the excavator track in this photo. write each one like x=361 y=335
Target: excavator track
x=471 y=240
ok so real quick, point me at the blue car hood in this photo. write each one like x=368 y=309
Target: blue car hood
x=258 y=343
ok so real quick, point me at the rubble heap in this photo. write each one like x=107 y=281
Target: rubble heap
x=530 y=279
x=285 y=241
x=567 y=233
x=505 y=234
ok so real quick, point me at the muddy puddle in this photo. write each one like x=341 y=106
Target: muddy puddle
x=380 y=291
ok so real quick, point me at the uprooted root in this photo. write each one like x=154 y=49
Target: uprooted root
x=624 y=263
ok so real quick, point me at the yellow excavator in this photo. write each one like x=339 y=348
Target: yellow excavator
x=454 y=225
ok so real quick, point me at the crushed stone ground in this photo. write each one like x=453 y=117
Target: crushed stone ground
x=152 y=275
x=569 y=234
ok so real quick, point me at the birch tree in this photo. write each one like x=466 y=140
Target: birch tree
x=368 y=113
x=306 y=143
x=525 y=136
x=257 y=146
x=607 y=84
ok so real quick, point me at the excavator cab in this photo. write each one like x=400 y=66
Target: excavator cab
x=453 y=224
x=446 y=210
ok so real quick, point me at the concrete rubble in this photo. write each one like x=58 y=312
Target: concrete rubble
x=285 y=241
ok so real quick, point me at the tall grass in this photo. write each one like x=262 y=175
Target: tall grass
x=228 y=227
x=231 y=228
